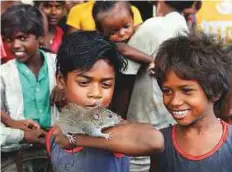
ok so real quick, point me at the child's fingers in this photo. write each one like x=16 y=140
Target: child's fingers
x=31 y=124
x=60 y=138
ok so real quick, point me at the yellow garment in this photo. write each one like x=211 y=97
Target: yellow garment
x=215 y=17
x=80 y=16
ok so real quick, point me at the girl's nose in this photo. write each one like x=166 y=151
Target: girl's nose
x=176 y=100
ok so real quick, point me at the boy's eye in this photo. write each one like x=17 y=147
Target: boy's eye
x=8 y=40
x=83 y=82
x=166 y=91
x=47 y=6
x=127 y=26
x=113 y=32
x=106 y=84
x=59 y=7
x=187 y=91
x=22 y=38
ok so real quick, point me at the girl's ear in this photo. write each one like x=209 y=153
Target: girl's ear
x=60 y=81
x=216 y=98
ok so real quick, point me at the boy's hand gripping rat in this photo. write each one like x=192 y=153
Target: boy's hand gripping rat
x=76 y=119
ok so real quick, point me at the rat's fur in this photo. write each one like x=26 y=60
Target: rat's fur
x=76 y=119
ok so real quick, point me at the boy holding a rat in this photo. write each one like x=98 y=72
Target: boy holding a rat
x=88 y=70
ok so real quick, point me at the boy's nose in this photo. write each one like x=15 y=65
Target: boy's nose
x=16 y=44
x=122 y=32
x=95 y=91
x=53 y=10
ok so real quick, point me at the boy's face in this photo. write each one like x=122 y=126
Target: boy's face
x=117 y=24
x=185 y=100
x=54 y=11
x=91 y=87
x=23 y=46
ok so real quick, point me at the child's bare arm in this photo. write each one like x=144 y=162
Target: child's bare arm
x=133 y=53
x=130 y=139
x=19 y=124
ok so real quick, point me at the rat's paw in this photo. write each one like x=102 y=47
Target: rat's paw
x=71 y=139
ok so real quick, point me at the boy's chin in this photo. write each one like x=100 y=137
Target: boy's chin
x=22 y=59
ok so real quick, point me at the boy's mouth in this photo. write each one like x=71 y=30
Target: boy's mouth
x=93 y=105
x=19 y=53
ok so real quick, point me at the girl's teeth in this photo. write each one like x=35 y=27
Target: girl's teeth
x=179 y=113
x=18 y=53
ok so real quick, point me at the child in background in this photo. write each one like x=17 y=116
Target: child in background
x=87 y=68
x=115 y=20
x=193 y=83
x=80 y=17
x=54 y=10
x=26 y=81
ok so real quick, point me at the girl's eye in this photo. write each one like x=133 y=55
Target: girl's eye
x=166 y=91
x=187 y=91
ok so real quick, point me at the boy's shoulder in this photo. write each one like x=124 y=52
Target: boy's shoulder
x=49 y=56
x=10 y=65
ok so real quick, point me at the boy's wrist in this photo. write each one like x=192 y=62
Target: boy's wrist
x=9 y=122
x=72 y=141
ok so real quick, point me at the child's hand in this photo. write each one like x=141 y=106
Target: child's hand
x=24 y=124
x=60 y=138
x=34 y=136
x=150 y=69
x=58 y=97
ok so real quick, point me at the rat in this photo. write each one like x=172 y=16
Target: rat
x=75 y=119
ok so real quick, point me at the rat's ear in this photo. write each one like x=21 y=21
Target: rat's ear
x=96 y=116
x=60 y=81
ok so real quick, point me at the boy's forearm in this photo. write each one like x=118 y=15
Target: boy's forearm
x=6 y=119
x=133 y=53
x=129 y=139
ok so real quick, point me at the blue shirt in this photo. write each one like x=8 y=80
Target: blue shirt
x=84 y=159
x=219 y=159
x=36 y=93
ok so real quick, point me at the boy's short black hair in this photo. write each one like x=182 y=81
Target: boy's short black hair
x=106 y=6
x=179 y=5
x=22 y=18
x=196 y=56
x=82 y=49
x=38 y=3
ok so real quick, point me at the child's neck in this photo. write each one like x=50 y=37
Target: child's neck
x=205 y=124
x=199 y=138
x=35 y=63
x=51 y=33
